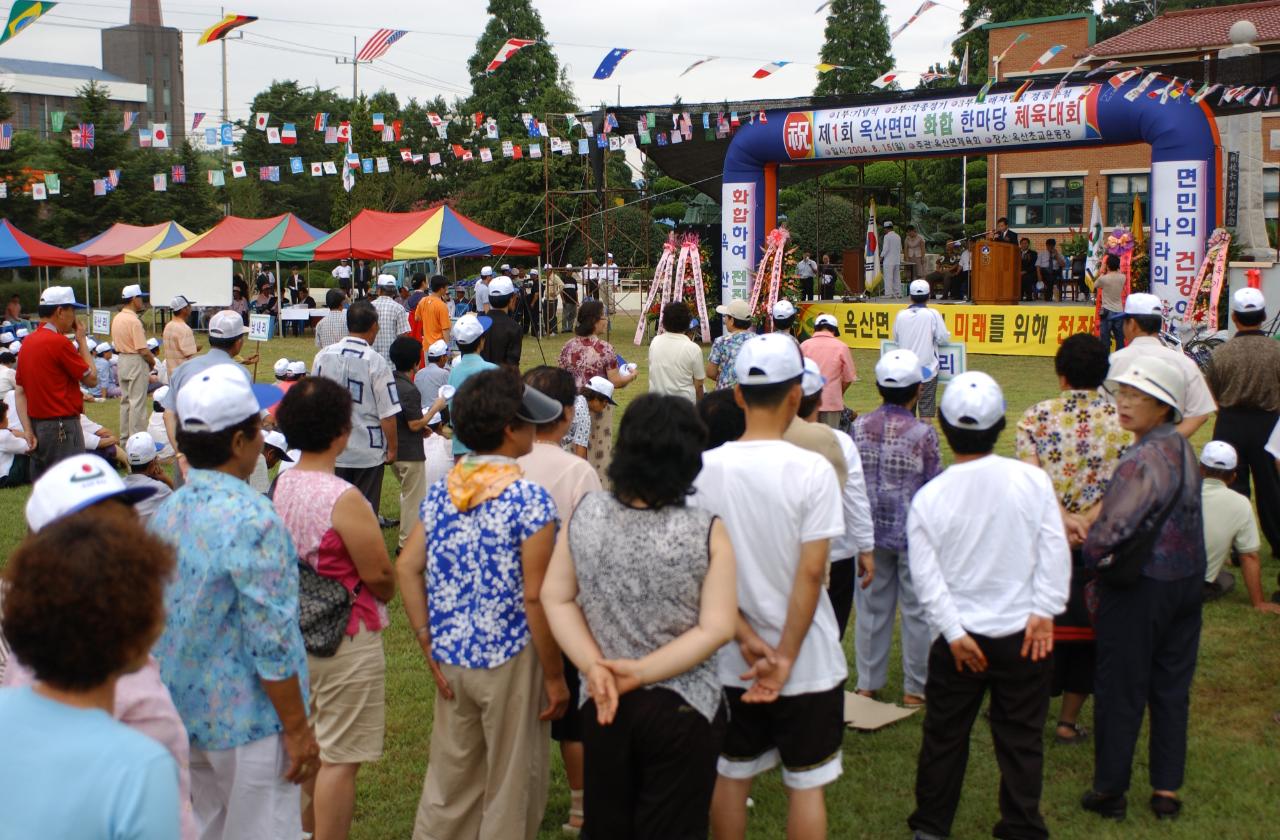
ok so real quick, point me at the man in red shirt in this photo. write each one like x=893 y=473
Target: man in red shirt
x=50 y=373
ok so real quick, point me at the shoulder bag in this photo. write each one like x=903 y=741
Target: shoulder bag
x=1122 y=568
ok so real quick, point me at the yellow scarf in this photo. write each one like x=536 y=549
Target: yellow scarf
x=472 y=482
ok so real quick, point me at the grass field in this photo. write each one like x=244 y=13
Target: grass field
x=1233 y=778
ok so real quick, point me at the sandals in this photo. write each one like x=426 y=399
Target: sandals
x=912 y=701
x=1079 y=735
x=571 y=829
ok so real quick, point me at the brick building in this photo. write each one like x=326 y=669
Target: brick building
x=37 y=89
x=1045 y=193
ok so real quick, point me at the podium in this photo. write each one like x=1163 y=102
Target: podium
x=996 y=273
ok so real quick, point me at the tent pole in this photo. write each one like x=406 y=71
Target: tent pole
x=86 y=285
x=98 y=271
x=279 y=298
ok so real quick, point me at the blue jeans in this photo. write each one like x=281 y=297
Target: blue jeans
x=1112 y=324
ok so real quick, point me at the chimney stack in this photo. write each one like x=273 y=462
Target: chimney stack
x=145 y=13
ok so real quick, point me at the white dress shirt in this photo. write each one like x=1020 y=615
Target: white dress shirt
x=987 y=548
x=859 y=531
x=922 y=331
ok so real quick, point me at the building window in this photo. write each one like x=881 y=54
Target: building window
x=1271 y=194
x=1121 y=191
x=1046 y=202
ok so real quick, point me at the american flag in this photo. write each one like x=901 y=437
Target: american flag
x=377 y=46
x=6 y=136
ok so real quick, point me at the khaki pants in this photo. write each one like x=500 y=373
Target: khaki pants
x=413 y=489
x=134 y=374
x=487 y=773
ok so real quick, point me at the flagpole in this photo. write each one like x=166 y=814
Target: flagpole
x=964 y=193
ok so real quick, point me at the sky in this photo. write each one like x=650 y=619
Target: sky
x=299 y=39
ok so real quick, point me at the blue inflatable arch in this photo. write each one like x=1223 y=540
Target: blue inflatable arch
x=1185 y=160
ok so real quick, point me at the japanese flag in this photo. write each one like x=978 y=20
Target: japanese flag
x=317 y=169
x=260 y=120
x=160 y=135
x=237 y=169
x=273 y=135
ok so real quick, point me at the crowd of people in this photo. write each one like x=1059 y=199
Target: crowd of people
x=669 y=606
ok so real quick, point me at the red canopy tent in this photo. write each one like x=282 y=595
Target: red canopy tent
x=437 y=233
x=21 y=250
x=246 y=239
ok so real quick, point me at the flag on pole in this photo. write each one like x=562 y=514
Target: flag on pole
x=348 y=178
x=1047 y=56
x=769 y=69
x=223 y=28
x=508 y=49
x=924 y=7
x=1094 y=260
x=885 y=80
x=963 y=79
x=610 y=62
x=871 y=254
x=698 y=63
x=160 y=135
x=22 y=15
x=196 y=120
x=377 y=46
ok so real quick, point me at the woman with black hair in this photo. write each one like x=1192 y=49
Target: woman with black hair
x=587 y=355
x=640 y=594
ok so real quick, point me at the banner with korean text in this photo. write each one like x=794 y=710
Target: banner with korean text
x=995 y=330
x=737 y=239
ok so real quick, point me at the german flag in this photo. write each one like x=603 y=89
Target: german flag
x=223 y=27
x=22 y=15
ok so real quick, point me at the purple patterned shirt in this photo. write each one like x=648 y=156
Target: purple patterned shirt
x=900 y=454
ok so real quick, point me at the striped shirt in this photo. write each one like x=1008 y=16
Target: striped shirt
x=354 y=365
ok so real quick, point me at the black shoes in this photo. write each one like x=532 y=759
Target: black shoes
x=1165 y=807
x=1111 y=806
x=384 y=522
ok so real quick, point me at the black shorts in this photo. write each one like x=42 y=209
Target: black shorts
x=569 y=727
x=803 y=732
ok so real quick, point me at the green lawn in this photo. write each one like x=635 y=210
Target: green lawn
x=1233 y=779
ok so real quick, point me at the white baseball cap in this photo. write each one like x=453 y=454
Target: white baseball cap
x=501 y=287
x=153 y=344
x=22 y=332
x=297 y=368
x=6 y=337
x=277 y=441
x=738 y=309
x=280 y=368
x=533 y=272
x=470 y=327
x=919 y=287
x=888 y=223
x=141 y=448
x=811 y=381
x=387 y=281
x=603 y=387
x=217 y=399
x=768 y=360
x=783 y=309
x=60 y=296
x=104 y=347
x=73 y=484
x=438 y=348
x=15 y=347
x=160 y=394
x=505 y=267
x=900 y=368
x=132 y=291
x=487 y=271
x=1219 y=455
x=1156 y=378
x=973 y=400
x=88 y=342
x=826 y=319
x=1142 y=303
x=1248 y=299
x=180 y=302
x=227 y=324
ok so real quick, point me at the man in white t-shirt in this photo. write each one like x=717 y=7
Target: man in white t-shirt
x=1143 y=320
x=1229 y=526
x=785 y=674
x=922 y=331
x=482 y=290
x=891 y=260
x=676 y=366
x=991 y=577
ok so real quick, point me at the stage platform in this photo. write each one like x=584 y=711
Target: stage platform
x=1024 y=329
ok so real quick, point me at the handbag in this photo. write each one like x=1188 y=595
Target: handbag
x=1122 y=568
x=324 y=605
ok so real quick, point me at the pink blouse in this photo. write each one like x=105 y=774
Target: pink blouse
x=587 y=356
x=305 y=501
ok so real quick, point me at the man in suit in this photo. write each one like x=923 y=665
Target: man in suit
x=1003 y=234
x=363 y=276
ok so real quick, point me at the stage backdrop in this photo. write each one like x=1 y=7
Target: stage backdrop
x=999 y=330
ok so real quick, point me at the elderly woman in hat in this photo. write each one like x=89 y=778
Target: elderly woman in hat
x=1147 y=548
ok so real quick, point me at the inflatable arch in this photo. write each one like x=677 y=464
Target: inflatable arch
x=1185 y=160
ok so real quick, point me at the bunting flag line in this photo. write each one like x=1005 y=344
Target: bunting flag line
x=217 y=178
x=144 y=138
x=128 y=118
x=823 y=67
x=273 y=135
x=1141 y=87
x=6 y=137
x=931 y=76
x=818 y=10
x=1048 y=55
x=196 y=120
x=321 y=122
x=261 y=119
x=1022 y=88
x=289 y=134
x=510 y=48
x=225 y=134
x=924 y=7
x=1118 y=80
x=963 y=79
x=160 y=135
x=984 y=90
x=317 y=169
x=1058 y=87
x=1101 y=68
x=1022 y=36
x=379 y=120
x=159 y=183
x=38 y=192
x=697 y=63
x=1205 y=91
x=377 y=46
x=610 y=62
x=237 y=169
x=977 y=24
x=885 y=80
x=22 y=15
x=223 y=28
x=178 y=174
x=54 y=183
x=56 y=119
x=769 y=69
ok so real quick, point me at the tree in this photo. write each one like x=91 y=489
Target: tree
x=857 y=37
x=1120 y=15
x=1000 y=11
x=840 y=226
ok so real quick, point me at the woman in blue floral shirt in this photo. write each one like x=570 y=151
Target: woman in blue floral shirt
x=472 y=597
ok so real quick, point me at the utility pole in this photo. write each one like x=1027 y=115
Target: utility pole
x=223 y=11
x=355 y=63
